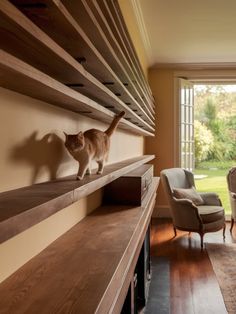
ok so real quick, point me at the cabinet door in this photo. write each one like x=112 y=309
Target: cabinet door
x=143 y=271
x=131 y=302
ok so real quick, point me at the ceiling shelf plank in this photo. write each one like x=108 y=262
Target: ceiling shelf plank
x=91 y=19
x=115 y=11
x=21 y=77
x=32 y=45
x=111 y=29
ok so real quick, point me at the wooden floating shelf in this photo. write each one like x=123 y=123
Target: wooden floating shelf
x=114 y=11
x=88 y=269
x=91 y=19
x=57 y=22
x=23 y=208
x=109 y=27
x=23 y=78
x=23 y=39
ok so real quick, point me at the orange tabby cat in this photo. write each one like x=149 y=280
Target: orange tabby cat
x=91 y=145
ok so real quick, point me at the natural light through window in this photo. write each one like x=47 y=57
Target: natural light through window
x=214 y=137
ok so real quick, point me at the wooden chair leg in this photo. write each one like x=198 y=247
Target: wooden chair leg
x=224 y=231
x=201 y=236
x=232 y=224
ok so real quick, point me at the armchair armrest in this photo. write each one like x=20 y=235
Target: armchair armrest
x=185 y=214
x=232 y=195
x=233 y=204
x=184 y=202
x=210 y=198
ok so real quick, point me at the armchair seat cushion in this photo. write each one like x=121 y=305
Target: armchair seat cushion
x=210 y=214
x=213 y=226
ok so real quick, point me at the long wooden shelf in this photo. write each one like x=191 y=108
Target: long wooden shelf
x=125 y=68
x=92 y=21
x=23 y=78
x=57 y=22
x=121 y=36
x=24 y=207
x=116 y=14
x=88 y=269
x=23 y=38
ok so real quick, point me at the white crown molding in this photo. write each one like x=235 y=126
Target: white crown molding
x=142 y=29
x=196 y=66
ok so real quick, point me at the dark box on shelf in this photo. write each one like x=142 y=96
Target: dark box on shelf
x=131 y=188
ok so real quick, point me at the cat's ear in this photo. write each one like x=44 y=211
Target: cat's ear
x=66 y=135
x=80 y=135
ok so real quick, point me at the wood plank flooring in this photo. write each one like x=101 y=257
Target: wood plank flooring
x=193 y=288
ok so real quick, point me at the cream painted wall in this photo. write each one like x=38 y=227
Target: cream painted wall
x=32 y=139
x=133 y=28
x=30 y=155
x=162 y=145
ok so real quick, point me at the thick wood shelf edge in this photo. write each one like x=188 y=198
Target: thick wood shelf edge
x=111 y=173
x=95 y=275
x=23 y=78
x=72 y=68
x=22 y=208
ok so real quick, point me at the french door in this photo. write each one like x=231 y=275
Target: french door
x=186 y=118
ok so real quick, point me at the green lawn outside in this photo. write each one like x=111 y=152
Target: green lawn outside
x=214 y=182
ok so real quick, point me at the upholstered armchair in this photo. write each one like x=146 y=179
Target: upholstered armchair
x=192 y=211
x=231 y=180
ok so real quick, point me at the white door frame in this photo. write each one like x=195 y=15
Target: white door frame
x=196 y=77
x=186 y=124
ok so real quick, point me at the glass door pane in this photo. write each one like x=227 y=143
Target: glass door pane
x=186 y=102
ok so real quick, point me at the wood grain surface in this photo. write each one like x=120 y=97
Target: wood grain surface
x=23 y=39
x=22 y=208
x=87 y=270
x=194 y=288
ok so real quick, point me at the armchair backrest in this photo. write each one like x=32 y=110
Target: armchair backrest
x=182 y=215
x=231 y=180
x=176 y=178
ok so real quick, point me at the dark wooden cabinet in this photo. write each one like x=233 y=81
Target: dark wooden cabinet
x=143 y=270
x=131 y=188
x=130 y=305
x=137 y=295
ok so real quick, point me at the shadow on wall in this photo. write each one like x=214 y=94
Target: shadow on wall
x=47 y=152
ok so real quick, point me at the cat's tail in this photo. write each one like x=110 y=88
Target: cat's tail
x=114 y=123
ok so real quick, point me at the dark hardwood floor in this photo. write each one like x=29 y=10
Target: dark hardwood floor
x=194 y=287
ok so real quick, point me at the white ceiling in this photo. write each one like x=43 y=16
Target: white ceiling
x=188 y=31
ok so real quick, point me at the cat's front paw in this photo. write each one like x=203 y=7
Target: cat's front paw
x=99 y=172
x=79 y=178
